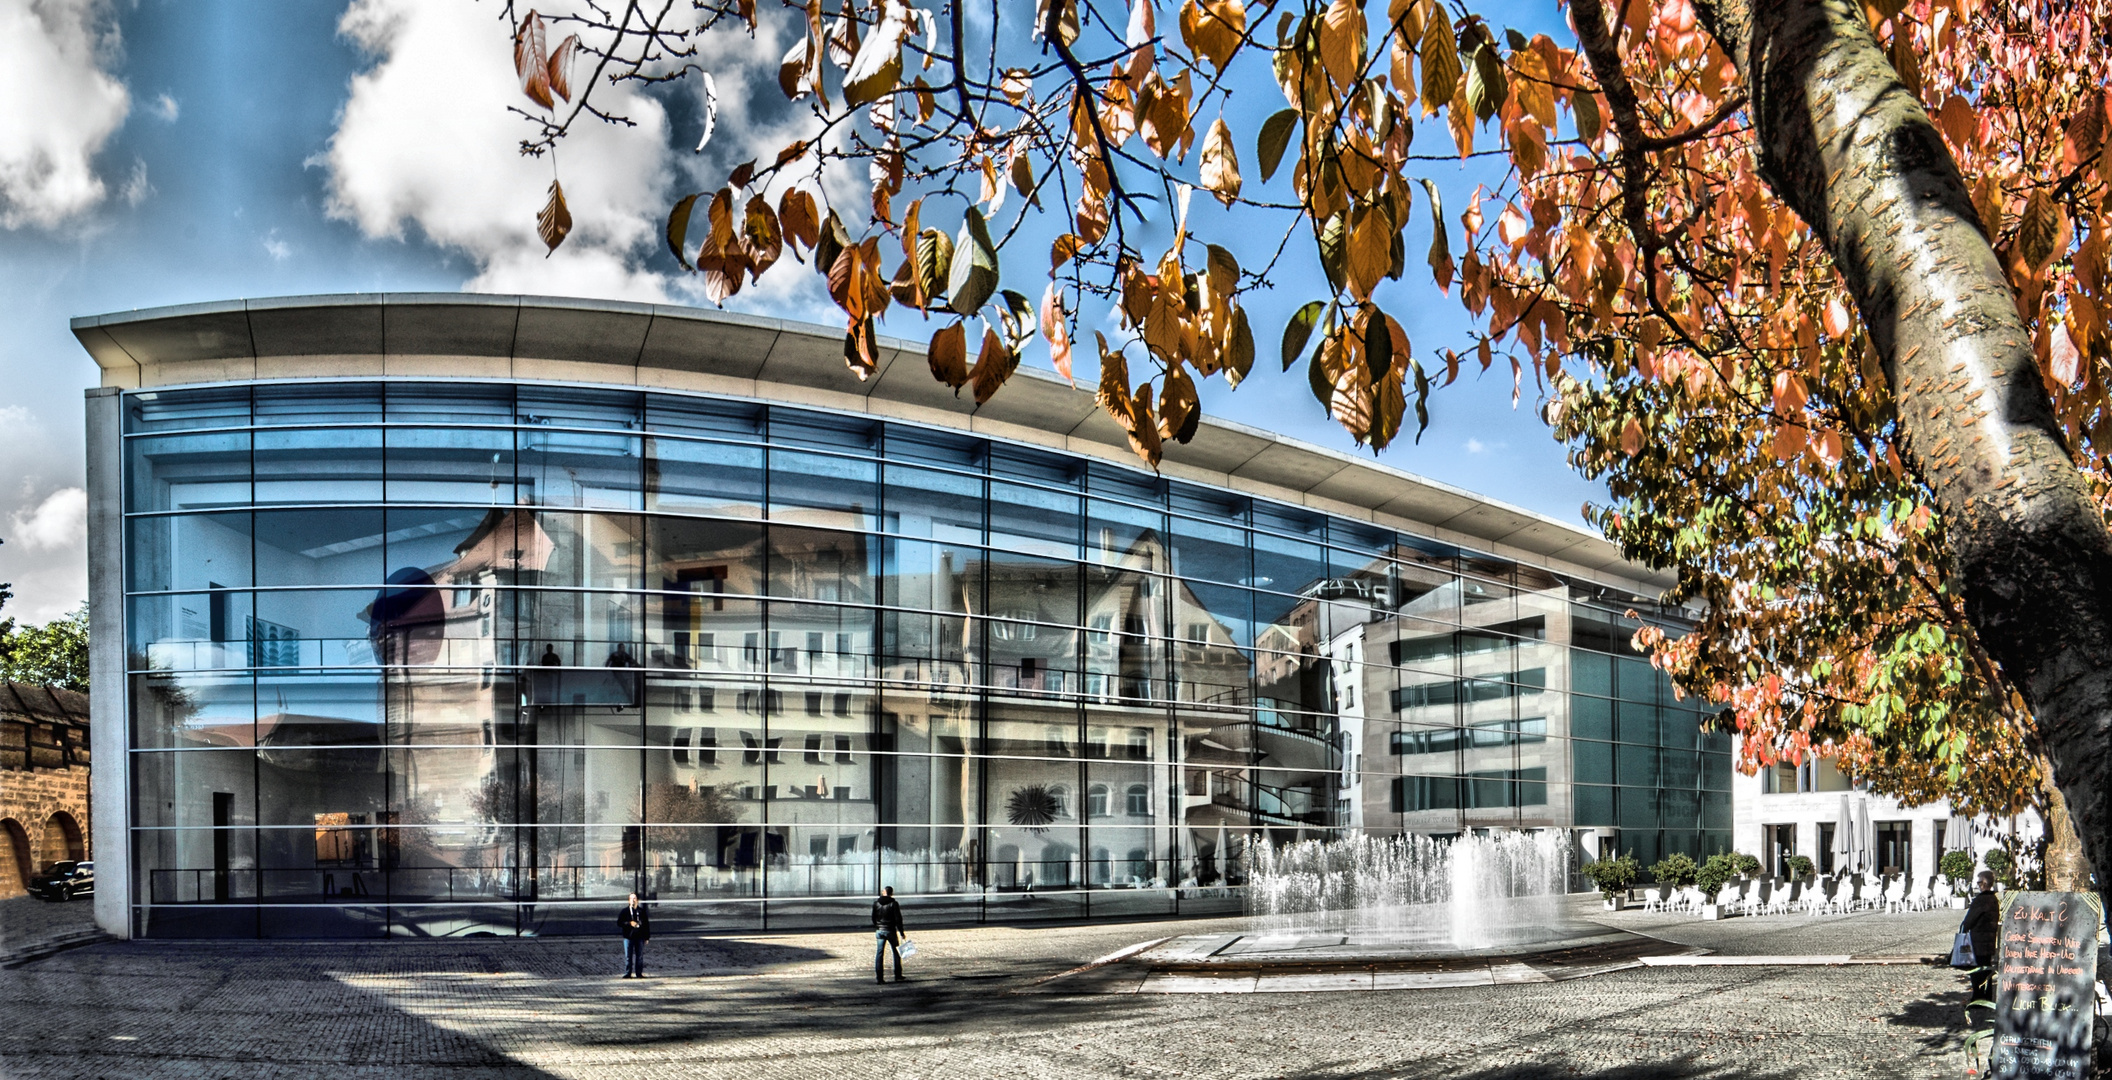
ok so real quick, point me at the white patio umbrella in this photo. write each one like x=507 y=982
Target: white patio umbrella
x=1223 y=854
x=1865 y=837
x=1958 y=834
x=1843 y=837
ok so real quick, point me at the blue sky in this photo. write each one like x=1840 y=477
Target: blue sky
x=206 y=151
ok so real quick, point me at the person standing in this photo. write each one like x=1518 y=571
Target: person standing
x=887 y=933
x=1983 y=921
x=637 y=928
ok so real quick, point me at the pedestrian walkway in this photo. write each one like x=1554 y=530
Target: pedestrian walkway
x=31 y=929
x=800 y=1005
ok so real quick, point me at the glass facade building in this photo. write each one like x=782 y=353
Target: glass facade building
x=416 y=657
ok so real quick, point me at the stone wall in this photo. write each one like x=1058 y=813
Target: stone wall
x=44 y=769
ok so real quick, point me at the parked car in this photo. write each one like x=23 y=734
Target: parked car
x=64 y=881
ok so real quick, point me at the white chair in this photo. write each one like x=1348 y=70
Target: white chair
x=1691 y=899
x=1787 y=900
x=1758 y=896
x=1940 y=894
x=1917 y=898
x=1655 y=897
x=1895 y=894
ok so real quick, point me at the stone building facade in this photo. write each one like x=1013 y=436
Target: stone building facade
x=43 y=781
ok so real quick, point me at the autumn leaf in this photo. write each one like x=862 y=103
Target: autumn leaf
x=1220 y=166
x=948 y=354
x=2039 y=230
x=2066 y=361
x=560 y=66
x=678 y=228
x=973 y=277
x=760 y=230
x=796 y=217
x=554 y=222
x=1053 y=328
x=993 y=366
x=1440 y=57
x=532 y=63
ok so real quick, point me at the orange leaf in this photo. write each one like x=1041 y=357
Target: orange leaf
x=1631 y=437
x=554 y=221
x=2065 y=360
x=1052 y=328
x=948 y=354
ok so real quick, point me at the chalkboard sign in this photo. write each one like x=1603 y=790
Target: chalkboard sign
x=2046 y=986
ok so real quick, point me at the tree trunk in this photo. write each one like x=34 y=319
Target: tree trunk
x=1844 y=143
x=2067 y=868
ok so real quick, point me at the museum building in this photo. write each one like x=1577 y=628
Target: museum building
x=418 y=615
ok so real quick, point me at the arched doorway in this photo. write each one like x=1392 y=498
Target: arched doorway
x=62 y=839
x=14 y=858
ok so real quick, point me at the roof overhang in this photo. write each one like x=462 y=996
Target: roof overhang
x=659 y=346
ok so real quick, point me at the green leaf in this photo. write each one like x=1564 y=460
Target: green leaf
x=1422 y=398
x=1275 y=137
x=1586 y=108
x=1334 y=249
x=1298 y=331
x=1440 y=245
x=974 y=275
x=1486 y=85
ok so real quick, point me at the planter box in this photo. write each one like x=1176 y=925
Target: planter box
x=1617 y=903
x=1714 y=911
x=1959 y=902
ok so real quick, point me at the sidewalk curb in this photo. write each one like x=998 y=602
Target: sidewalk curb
x=51 y=947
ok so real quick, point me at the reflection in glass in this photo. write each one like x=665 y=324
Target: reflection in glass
x=543 y=646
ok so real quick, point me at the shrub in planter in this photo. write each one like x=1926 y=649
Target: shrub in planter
x=1675 y=870
x=1956 y=866
x=1801 y=867
x=2004 y=867
x=1714 y=873
x=1612 y=874
x=1748 y=865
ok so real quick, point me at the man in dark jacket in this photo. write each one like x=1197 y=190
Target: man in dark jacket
x=887 y=933
x=1983 y=921
x=637 y=928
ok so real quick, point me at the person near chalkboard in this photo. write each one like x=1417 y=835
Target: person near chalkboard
x=1983 y=920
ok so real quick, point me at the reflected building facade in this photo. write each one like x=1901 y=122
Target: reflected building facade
x=415 y=656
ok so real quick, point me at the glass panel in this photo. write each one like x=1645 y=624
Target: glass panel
x=573 y=468
x=1287 y=566
x=329 y=465
x=822 y=564
x=172 y=709
x=312 y=628
x=1594 y=762
x=454 y=403
x=187 y=472
x=197 y=789
x=818 y=489
x=176 y=410
x=906 y=443
x=575 y=407
x=701 y=416
x=299 y=787
x=188 y=551
x=318 y=403
x=1638 y=765
x=1034 y=520
x=1590 y=718
x=947 y=507
x=469 y=466
x=703 y=478
x=333 y=709
x=320 y=547
x=189 y=631
x=1126 y=536
x=1208 y=551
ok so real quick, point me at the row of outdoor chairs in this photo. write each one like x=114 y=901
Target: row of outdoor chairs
x=1836 y=894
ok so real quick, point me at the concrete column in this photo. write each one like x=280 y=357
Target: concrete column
x=109 y=738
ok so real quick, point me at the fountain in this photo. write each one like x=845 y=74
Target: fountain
x=1389 y=913
x=1415 y=894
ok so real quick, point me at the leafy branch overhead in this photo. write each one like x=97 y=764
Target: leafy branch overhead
x=1778 y=413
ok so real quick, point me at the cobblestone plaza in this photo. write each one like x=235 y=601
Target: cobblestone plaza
x=800 y=1004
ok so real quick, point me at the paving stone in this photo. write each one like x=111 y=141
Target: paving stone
x=801 y=1006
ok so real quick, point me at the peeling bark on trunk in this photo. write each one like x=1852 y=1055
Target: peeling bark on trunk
x=2067 y=868
x=1846 y=145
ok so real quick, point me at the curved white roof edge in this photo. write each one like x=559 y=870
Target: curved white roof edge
x=662 y=346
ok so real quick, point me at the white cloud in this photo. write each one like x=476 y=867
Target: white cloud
x=60 y=521
x=137 y=186
x=425 y=140
x=1476 y=446
x=166 y=108
x=278 y=249
x=55 y=57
